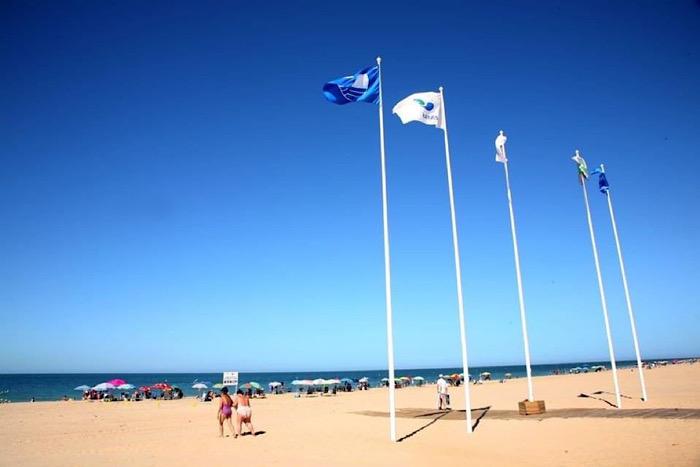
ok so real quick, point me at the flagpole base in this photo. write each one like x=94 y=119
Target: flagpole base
x=527 y=407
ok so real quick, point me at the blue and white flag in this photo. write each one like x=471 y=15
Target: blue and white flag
x=363 y=86
x=424 y=107
x=603 y=185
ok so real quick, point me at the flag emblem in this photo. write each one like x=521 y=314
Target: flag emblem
x=363 y=86
x=424 y=107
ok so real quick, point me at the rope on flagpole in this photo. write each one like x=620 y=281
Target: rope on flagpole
x=458 y=272
x=387 y=268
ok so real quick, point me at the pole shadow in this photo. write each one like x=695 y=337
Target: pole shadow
x=441 y=414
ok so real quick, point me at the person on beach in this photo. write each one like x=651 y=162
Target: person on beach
x=443 y=394
x=244 y=412
x=224 y=412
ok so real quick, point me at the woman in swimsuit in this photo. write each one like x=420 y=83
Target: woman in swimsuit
x=224 y=412
x=243 y=413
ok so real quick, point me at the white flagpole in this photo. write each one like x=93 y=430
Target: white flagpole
x=387 y=269
x=602 y=291
x=627 y=293
x=458 y=273
x=523 y=321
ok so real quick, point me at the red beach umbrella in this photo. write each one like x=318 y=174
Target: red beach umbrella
x=161 y=386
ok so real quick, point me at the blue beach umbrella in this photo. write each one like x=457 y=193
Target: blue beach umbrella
x=126 y=387
x=82 y=387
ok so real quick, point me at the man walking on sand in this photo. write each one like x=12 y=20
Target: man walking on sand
x=443 y=395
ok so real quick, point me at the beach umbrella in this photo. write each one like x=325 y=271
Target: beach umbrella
x=103 y=387
x=251 y=385
x=275 y=384
x=332 y=381
x=302 y=382
x=126 y=387
x=346 y=380
x=199 y=386
x=218 y=386
x=161 y=386
x=319 y=381
x=364 y=379
x=116 y=382
x=82 y=387
x=144 y=388
x=418 y=378
x=385 y=380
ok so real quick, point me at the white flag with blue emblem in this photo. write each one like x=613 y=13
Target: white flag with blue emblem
x=424 y=107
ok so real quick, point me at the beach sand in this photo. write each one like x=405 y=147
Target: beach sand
x=352 y=428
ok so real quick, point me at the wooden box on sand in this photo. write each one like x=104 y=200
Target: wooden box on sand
x=531 y=408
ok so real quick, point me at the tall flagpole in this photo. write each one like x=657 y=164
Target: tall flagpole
x=523 y=321
x=627 y=293
x=601 y=289
x=387 y=268
x=458 y=273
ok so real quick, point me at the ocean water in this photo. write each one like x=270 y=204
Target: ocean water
x=46 y=387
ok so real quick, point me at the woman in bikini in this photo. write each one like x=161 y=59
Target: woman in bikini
x=243 y=412
x=224 y=412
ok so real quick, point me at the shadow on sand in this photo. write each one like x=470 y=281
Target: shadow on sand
x=442 y=413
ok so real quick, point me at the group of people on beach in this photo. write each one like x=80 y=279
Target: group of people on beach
x=240 y=405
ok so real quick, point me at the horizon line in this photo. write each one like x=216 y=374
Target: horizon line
x=336 y=370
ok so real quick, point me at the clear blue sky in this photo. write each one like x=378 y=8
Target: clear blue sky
x=176 y=194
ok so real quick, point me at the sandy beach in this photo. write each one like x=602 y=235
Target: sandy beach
x=352 y=428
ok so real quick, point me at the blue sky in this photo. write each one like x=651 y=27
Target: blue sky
x=177 y=195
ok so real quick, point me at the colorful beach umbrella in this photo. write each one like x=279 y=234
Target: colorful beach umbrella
x=116 y=382
x=126 y=387
x=251 y=385
x=161 y=386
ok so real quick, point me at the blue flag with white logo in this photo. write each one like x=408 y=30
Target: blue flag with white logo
x=363 y=86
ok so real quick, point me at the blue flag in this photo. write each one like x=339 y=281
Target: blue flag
x=602 y=179
x=363 y=86
x=603 y=183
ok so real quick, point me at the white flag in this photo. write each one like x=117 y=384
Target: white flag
x=501 y=148
x=425 y=107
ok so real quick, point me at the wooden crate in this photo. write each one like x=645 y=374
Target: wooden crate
x=531 y=408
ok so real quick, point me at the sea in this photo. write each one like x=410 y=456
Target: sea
x=51 y=387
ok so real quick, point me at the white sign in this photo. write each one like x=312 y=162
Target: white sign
x=230 y=378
